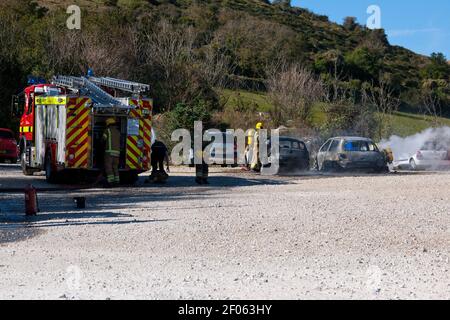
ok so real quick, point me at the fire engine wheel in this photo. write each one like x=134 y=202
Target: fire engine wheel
x=23 y=163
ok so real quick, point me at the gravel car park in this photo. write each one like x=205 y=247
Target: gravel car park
x=241 y=237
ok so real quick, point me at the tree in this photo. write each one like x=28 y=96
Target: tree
x=350 y=23
x=282 y=3
x=435 y=99
x=431 y=106
x=438 y=68
x=385 y=102
x=364 y=64
x=292 y=90
x=174 y=67
x=184 y=115
x=215 y=67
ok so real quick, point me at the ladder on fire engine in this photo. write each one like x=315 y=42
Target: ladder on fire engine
x=88 y=88
x=124 y=85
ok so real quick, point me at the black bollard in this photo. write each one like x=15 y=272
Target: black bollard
x=80 y=202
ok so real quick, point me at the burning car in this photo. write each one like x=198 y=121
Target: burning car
x=293 y=156
x=432 y=155
x=350 y=153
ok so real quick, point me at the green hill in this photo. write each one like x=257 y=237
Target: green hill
x=403 y=123
x=314 y=34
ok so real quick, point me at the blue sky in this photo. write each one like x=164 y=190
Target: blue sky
x=420 y=25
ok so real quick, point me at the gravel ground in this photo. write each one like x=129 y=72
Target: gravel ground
x=242 y=237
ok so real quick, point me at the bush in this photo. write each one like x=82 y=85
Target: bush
x=184 y=115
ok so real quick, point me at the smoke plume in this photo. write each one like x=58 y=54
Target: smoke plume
x=403 y=148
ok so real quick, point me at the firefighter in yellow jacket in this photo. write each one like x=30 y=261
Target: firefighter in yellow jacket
x=255 y=163
x=111 y=137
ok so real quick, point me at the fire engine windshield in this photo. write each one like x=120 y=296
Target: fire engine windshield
x=48 y=90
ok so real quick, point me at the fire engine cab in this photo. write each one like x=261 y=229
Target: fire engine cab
x=62 y=124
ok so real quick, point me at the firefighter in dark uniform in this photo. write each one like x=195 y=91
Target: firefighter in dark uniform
x=202 y=170
x=111 y=138
x=160 y=154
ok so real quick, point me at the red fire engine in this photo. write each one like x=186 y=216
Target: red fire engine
x=62 y=124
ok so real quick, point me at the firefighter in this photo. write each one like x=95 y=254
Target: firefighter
x=111 y=137
x=255 y=161
x=160 y=154
x=248 y=149
x=388 y=158
x=202 y=170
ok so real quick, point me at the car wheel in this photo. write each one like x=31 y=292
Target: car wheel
x=381 y=169
x=304 y=165
x=412 y=165
x=326 y=166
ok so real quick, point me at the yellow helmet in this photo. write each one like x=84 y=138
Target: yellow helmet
x=110 y=121
x=259 y=125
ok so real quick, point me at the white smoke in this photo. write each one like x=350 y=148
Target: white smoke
x=405 y=147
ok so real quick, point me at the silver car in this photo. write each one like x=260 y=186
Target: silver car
x=350 y=153
x=433 y=155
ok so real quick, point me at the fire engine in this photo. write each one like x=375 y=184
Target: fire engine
x=62 y=124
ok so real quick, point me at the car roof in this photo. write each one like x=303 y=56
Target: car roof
x=289 y=138
x=4 y=129
x=352 y=138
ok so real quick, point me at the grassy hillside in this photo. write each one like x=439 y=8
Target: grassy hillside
x=403 y=123
x=315 y=32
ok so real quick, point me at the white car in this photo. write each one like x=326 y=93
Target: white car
x=430 y=156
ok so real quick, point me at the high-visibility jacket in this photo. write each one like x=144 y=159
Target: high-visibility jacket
x=112 y=139
x=250 y=135
x=255 y=162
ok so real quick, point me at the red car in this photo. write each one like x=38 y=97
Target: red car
x=8 y=146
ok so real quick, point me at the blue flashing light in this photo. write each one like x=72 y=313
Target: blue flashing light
x=33 y=80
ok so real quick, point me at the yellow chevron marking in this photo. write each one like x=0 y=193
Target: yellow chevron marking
x=73 y=136
x=80 y=161
x=83 y=117
x=81 y=150
x=141 y=127
x=133 y=146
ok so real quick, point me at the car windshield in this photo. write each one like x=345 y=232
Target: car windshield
x=6 y=135
x=359 y=146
